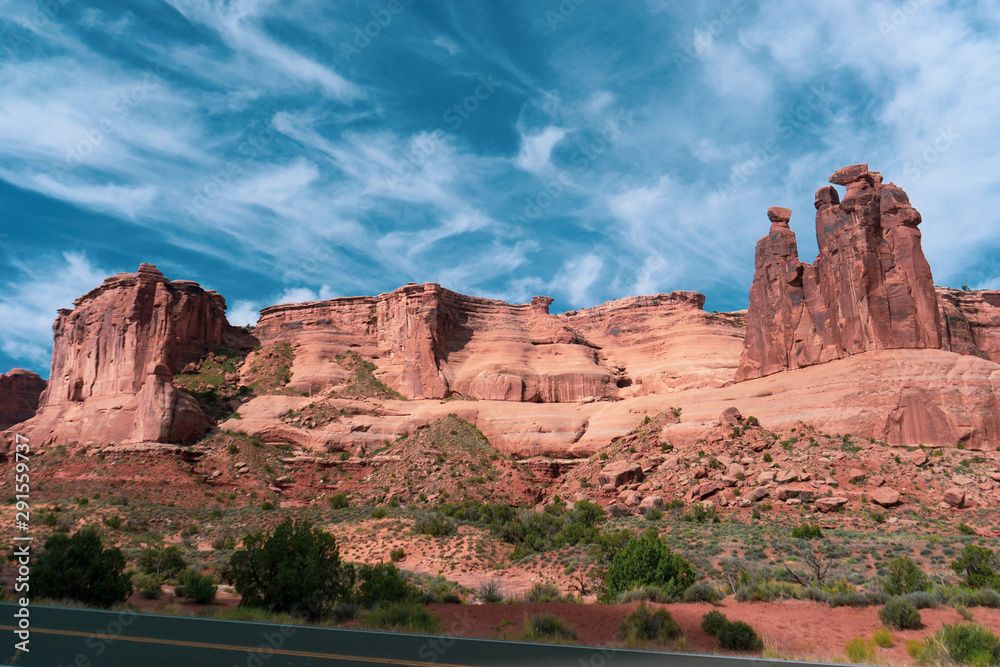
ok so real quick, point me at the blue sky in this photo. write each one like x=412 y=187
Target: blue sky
x=586 y=150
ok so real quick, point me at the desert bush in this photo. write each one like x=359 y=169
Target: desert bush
x=383 y=583
x=807 y=531
x=970 y=597
x=397 y=554
x=647 y=560
x=978 y=565
x=435 y=525
x=378 y=513
x=648 y=593
x=857 y=599
x=403 y=617
x=713 y=621
x=882 y=638
x=167 y=562
x=547 y=626
x=703 y=592
x=925 y=599
x=543 y=593
x=200 y=588
x=962 y=643
x=860 y=651
x=296 y=569
x=700 y=513
x=739 y=636
x=645 y=625
x=903 y=576
x=80 y=568
x=491 y=592
x=766 y=592
x=344 y=611
x=339 y=501
x=900 y=614
x=149 y=586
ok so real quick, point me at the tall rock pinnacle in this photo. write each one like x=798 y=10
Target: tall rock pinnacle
x=870 y=287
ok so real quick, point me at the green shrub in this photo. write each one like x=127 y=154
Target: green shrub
x=296 y=569
x=403 y=617
x=882 y=638
x=739 y=636
x=267 y=505
x=491 y=592
x=713 y=621
x=435 y=525
x=645 y=625
x=200 y=588
x=925 y=599
x=970 y=597
x=547 y=626
x=903 y=576
x=807 y=531
x=860 y=651
x=543 y=593
x=397 y=554
x=648 y=593
x=703 y=592
x=970 y=644
x=900 y=614
x=149 y=585
x=167 y=562
x=378 y=513
x=383 y=583
x=647 y=560
x=700 y=513
x=339 y=501
x=978 y=566
x=80 y=568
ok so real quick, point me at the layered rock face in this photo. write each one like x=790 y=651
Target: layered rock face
x=19 y=394
x=870 y=287
x=970 y=322
x=430 y=342
x=115 y=354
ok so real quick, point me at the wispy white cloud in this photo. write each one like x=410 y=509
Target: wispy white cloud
x=29 y=301
x=536 y=148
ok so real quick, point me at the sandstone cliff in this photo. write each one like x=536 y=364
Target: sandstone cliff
x=19 y=394
x=870 y=287
x=115 y=354
x=430 y=342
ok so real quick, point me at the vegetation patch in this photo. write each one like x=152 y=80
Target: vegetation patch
x=271 y=368
x=364 y=384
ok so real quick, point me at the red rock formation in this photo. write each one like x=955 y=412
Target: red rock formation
x=19 y=393
x=429 y=342
x=870 y=287
x=970 y=322
x=114 y=357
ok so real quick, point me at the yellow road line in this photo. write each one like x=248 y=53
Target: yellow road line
x=249 y=649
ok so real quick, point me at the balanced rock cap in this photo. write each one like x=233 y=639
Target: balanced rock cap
x=779 y=215
x=850 y=174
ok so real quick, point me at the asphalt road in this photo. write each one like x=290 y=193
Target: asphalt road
x=86 y=638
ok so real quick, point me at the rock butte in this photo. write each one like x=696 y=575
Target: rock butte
x=858 y=342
